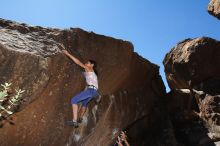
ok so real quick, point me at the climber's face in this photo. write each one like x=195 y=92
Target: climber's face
x=89 y=64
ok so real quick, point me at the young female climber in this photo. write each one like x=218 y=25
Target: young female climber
x=90 y=90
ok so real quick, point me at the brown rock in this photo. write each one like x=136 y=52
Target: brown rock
x=29 y=58
x=210 y=111
x=193 y=74
x=191 y=62
x=214 y=8
x=195 y=116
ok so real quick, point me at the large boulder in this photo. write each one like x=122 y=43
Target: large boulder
x=214 y=8
x=191 y=62
x=30 y=59
x=192 y=70
x=189 y=117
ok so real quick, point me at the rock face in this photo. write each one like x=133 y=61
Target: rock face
x=131 y=86
x=214 y=8
x=193 y=72
x=191 y=62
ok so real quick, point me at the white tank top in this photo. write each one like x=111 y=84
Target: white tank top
x=91 y=78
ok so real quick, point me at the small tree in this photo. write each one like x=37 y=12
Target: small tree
x=9 y=103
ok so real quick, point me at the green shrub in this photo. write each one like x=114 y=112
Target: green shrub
x=9 y=102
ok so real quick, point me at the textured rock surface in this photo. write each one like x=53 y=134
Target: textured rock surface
x=214 y=8
x=191 y=62
x=29 y=58
x=188 y=126
x=193 y=72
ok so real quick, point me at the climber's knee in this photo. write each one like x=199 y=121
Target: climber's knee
x=79 y=97
x=74 y=100
x=84 y=104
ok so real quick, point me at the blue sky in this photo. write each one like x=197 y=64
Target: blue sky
x=153 y=26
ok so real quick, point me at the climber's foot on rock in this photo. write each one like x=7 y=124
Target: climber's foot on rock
x=72 y=123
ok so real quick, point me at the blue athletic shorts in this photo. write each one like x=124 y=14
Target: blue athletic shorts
x=84 y=96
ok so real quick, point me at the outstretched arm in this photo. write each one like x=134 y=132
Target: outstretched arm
x=77 y=61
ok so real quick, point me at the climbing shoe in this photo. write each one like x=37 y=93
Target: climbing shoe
x=72 y=123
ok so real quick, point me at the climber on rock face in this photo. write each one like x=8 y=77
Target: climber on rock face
x=89 y=92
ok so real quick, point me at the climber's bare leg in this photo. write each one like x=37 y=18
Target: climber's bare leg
x=75 y=110
x=82 y=111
